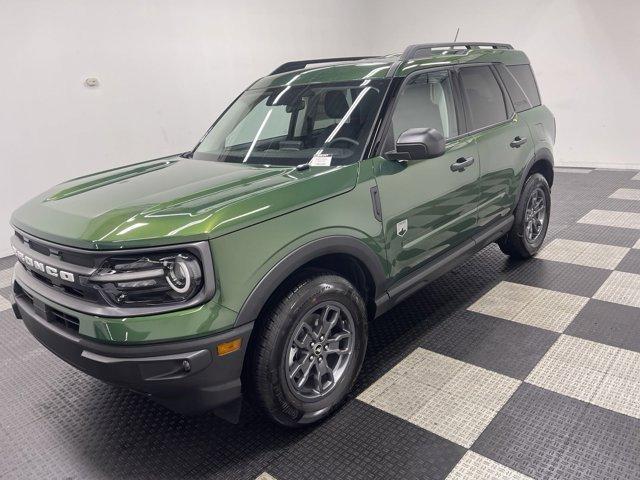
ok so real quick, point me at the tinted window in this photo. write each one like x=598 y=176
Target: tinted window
x=426 y=101
x=483 y=95
x=518 y=97
x=524 y=76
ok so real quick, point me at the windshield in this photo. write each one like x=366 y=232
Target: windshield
x=320 y=124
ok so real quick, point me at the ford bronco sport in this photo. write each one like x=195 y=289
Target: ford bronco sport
x=329 y=191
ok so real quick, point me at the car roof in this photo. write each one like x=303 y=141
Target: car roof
x=396 y=65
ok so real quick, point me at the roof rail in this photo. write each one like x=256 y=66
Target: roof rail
x=299 y=64
x=422 y=50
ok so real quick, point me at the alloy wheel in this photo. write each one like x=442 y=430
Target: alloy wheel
x=535 y=215
x=319 y=350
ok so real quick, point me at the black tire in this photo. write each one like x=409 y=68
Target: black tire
x=305 y=300
x=518 y=243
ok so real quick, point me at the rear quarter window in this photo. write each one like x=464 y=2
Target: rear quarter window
x=524 y=77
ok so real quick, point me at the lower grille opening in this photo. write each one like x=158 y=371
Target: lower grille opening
x=51 y=314
x=61 y=318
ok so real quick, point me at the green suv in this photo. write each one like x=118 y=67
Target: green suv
x=329 y=191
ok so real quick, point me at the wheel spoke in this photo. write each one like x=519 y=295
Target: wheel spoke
x=330 y=317
x=302 y=344
x=337 y=349
x=309 y=331
x=324 y=370
x=306 y=370
x=338 y=337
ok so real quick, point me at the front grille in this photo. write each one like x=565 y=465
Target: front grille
x=75 y=259
x=52 y=315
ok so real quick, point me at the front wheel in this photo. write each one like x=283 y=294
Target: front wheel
x=531 y=219
x=309 y=349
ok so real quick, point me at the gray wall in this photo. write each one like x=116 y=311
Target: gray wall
x=584 y=53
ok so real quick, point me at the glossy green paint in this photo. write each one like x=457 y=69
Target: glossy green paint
x=254 y=216
x=174 y=201
x=501 y=167
x=440 y=206
x=243 y=258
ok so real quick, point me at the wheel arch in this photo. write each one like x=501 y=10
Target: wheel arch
x=542 y=162
x=343 y=254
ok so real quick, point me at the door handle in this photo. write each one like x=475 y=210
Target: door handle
x=462 y=163
x=518 y=142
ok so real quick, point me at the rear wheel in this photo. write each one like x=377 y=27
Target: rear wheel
x=309 y=349
x=531 y=219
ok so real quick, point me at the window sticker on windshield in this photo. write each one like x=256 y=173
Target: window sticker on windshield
x=321 y=160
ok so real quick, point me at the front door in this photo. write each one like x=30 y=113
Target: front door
x=427 y=206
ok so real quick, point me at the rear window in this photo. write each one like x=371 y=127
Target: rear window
x=518 y=97
x=484 y=96
x=524 y=76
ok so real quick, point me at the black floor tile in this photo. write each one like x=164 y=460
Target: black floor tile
x=604 y=445
x=558 y=276
x=620 y=205
x=5 y=292
x=7 y=262
x=505 y=347
x=631 y=262
x=531 y=431
x=621 y=237
x=362 y=442
x=609 y=323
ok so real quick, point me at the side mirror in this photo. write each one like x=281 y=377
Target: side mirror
x=419 y=143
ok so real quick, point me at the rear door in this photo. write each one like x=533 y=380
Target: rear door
x=504 y=141
x=427 y=207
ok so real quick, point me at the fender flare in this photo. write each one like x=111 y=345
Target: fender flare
x=333 y=244
x=543 y=154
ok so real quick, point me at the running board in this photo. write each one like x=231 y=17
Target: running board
x=442 y=264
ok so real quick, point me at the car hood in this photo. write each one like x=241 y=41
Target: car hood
x=173 y=200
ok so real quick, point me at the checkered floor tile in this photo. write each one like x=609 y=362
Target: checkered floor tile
x=500 y=369
x=583 y=253
x=626 y=194
x=530 y=305
x=474 y=466
x=612 y=219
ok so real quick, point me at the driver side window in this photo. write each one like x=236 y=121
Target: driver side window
x=425 y=101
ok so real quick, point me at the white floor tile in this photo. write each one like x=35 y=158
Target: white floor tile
x=620 y=395
x=5 y=277
x=453 y=418
x=573 y=367
x=483 y=387
x=636 y=176
x=530 y=305
x=551 y=310
x=4 y=304
x=265 y=476
x=583 y=253
x=404 y=398
x=626 y=194
x=637 y=244
x=572 y=170
x=610 y=218
x=448 y=397
x=622 y=288
x=474 y=466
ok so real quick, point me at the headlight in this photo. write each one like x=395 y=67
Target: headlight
x=149 y=279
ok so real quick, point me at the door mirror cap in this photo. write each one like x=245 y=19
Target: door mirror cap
x=420 y=143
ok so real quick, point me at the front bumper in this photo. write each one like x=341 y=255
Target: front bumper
x=187 y=376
